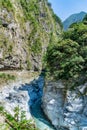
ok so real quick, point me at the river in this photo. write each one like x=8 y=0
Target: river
x=28 y=97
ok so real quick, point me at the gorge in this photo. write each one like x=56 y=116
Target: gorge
x=43 y=70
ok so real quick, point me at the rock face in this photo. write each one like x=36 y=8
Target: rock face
x=22 y=95
x=27 y=96
x=26 y=28
x=66 y=109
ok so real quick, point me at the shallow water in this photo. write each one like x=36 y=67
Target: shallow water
x=35 y=93
x=40 y=119
x=28 y=97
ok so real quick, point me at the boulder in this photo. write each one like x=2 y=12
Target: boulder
x=65 y=108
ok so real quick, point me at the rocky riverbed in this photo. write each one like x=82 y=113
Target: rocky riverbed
x=66 y=109
x=26 y=93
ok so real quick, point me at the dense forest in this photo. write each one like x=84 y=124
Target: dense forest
x=67 y=59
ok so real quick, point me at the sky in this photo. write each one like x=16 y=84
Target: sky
x=64 y=8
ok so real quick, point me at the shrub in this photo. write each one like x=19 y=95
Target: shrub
x=58 y=20
x=7 y=4
x=18 y=121
x=7 y=76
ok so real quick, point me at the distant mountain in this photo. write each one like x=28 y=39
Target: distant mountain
x=78 y=17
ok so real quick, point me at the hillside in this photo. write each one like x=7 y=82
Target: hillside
x=26 y=29
x=74 y=18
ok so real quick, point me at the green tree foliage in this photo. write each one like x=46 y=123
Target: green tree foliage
x=7 y=4
x=68 y=58
x=49 y=4
x=75 y=32
x=58 y=20
x=7 y=77
x=85 y=19
x=63 y=59
x=18 y=121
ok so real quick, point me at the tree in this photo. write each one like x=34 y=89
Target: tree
x=67 y=60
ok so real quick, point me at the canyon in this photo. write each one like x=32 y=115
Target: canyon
x=43 y=70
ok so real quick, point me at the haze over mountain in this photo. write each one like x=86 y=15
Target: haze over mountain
x=78 y=17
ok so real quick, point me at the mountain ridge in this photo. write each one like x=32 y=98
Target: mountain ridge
x=77 y=17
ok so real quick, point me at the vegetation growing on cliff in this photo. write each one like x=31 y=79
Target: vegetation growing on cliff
x=7 y=76
x=6 y=4
x=32 y=12
x=67 y=59
x=58 y=20
x=26 y=27
x=4 y=78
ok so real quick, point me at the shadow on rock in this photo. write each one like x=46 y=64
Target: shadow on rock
x=35 y=92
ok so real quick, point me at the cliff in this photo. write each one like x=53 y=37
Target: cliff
x=65 y=91
x=26 y=29
x=66 y=109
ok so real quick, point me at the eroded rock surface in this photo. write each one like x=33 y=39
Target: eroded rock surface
x=25 y=29
x=66 y=109
x=21 y=94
